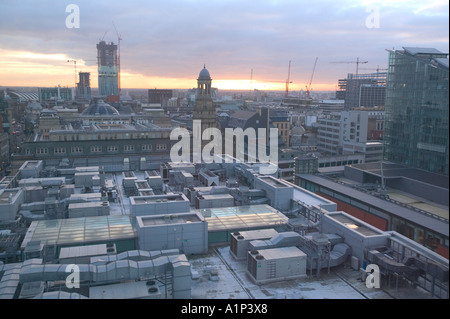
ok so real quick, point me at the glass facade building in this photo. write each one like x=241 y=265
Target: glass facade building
x=417 y=109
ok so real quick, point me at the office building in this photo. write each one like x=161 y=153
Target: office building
x=350 y=132
x=159 y=96
x=417 y=109
x=53 y=96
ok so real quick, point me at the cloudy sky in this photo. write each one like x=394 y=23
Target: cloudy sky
x=166 y=43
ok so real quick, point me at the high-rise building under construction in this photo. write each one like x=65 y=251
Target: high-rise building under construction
x=108 y=71
x=83 y=91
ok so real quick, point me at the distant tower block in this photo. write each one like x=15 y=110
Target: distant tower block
x=84 y=86
x=108 y=71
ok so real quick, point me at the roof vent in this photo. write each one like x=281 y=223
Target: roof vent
x=254 y=252
x=152 y=290
x=151 y=282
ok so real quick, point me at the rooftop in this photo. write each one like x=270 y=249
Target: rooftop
x=242 y=217
x=282 y=252
x=355 y=225
x=416 y=51
x=403 y=212
x=80 y=230
x=234 y=283
x=168 y=219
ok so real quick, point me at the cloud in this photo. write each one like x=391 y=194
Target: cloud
x=173 y=39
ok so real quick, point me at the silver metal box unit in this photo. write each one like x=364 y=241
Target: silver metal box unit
x=159 y=204
x=187 y=232
x=239 y=241
x=276 y=264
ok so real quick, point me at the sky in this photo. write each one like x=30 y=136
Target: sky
x=245 y=44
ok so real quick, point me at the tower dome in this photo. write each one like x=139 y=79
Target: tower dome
x=99 y=107
x=204 y=74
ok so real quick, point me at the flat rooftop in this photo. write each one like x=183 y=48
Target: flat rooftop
x=392 y=170
x=31 y=164
x=80 y=230
x=273 y=181
x=419 y=218
x=309 y=198
x=242 y=217
x=258 y=234
x=354 y=225
x=139 y=200
x=217 y=196
x=128 y=290
x=83 y=251
x=234 y=283
x=4 y=194
x=281 y=252
x=169 y=219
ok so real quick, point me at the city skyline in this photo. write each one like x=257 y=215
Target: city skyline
x=245 y=45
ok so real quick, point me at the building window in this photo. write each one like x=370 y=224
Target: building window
x=128 y=148
x=113 y=148
x=76 y=150
x=146 y=147
x=161 y=147
x=42 y=151
x=60 y=150
x=27 y=151
x=96 y=149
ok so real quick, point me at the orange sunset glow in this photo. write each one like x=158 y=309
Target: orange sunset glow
x=23 y=68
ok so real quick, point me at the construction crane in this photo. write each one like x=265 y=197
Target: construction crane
x=103 y=37
x=308 y=86
x=75 y=66
x=251 y=80
x=357 y=62
x=119 y=37
x=377 y=69
x=288 y=80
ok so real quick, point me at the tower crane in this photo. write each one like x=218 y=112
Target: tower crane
x=288 y=80
x=104 y=34
x=377 y=69
x=75 y=66
x=119 y=37
x=251 y=80
x=308 y=86
x=357 y=62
